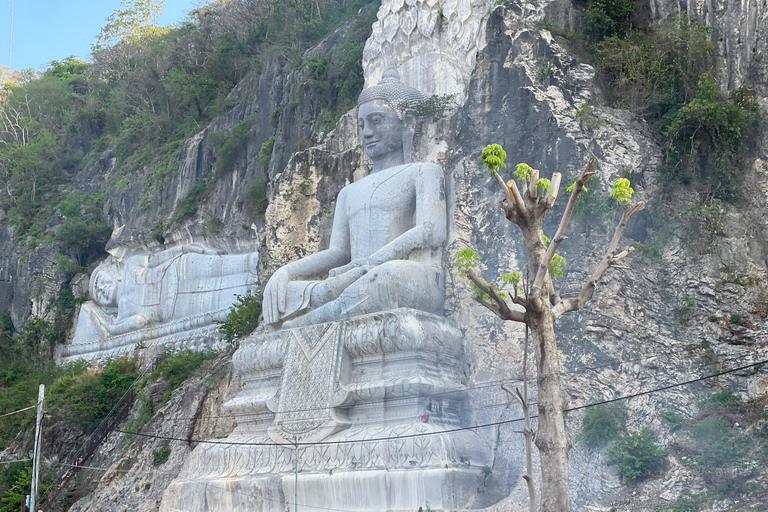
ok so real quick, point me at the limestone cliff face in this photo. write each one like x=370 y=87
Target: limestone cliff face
x=626 y=340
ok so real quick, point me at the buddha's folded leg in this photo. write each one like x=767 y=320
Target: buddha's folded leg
x=391 y=285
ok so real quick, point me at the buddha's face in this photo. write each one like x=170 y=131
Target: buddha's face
x=105 y=288
x=382 y=131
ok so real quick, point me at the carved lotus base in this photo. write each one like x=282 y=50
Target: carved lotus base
x=368 y=400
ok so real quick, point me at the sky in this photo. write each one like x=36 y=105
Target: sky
x=46 y=30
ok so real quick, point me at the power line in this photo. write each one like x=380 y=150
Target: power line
x=447 y=431
x=16 y=412
x=389 y=401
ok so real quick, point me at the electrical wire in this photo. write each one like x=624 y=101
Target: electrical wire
x=447 y=431
x=16 y=412
x=394 y=401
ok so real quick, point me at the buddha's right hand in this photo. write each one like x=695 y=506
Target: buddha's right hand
x=274 y=296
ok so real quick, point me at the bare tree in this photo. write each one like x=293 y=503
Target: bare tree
x=540 y=307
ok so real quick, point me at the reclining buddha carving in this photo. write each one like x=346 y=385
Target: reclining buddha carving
x=179 y=293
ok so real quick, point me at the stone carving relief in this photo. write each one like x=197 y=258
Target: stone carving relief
x=432 y=43
x=174 y=297
x=361 y=375
x=388 y=229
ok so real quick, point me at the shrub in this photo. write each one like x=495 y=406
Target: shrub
x=258 y=196
x=637 y=455
x=265 y=153
x=91 y=396
x=160 y=456
x=717 y=444
x=188 y=205
x=724 y=399
x=242 y=319
x=686 y=307
x=233 y=143
x=606 y=18
x=603 y=423
x=674 y=419
x=178 y=366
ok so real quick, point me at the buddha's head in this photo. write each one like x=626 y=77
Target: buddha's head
x=105 y=281
x=386 y=125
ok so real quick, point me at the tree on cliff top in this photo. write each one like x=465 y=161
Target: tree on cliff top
x=535 y=302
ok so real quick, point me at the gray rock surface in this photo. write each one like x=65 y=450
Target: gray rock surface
x=524 y=92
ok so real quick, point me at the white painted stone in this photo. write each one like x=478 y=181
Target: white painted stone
x=433 y=44
x=379 y=379
x=167 y=300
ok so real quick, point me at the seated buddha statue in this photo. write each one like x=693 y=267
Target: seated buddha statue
x=388 y=233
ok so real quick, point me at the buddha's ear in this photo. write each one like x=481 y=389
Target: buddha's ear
x=408 y=131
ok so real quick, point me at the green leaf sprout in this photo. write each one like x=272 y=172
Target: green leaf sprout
x=622 y=192
x=523 y=172
x=493 y=157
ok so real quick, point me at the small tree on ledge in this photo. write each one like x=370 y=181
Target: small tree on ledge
x=536 y=304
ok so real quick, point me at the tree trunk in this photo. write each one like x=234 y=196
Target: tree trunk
x=552 y=439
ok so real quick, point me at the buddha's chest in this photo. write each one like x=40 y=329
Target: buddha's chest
x=380 y=196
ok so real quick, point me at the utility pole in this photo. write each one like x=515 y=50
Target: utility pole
x=296 y=479
x=38 y=448
x=10 y=39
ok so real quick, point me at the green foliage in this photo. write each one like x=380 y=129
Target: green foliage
x=674 y=419
x=622 y=192
x=265 y=153
x=18 y=491
x=129 y=24
x=710 y=223
x=651 y=251
x=242 y=319
x=557 y=263
x=724 y=399
x=544 y=184
x=685 y=309
x=436 y=106
x=689 y=503
x=466 y=259
x=637 y=455
x=160 y=457
x=258 y=196
x=493 y=156
x=82 y=234
x=706 y=138
x=606 y=18
x=512 y=278
x=603 y=423
x=176 y=367
x=716 y=442
x=667 y=73
x=188 y=205
x=91 y=396
x=522 y=172
x=146 y=91
x=233 y=144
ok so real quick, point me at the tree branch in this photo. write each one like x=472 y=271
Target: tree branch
x=512 y=193
x=541 y=272
x=502 y=311
x=509 y=213
x=608 y=259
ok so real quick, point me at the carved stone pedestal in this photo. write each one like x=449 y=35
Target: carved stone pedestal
x=373 y=403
